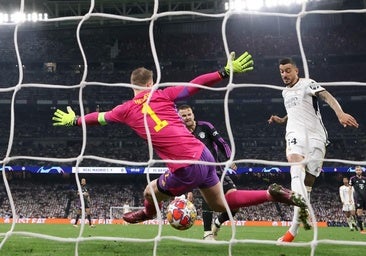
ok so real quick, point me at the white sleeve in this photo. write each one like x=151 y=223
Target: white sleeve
x=341 y=194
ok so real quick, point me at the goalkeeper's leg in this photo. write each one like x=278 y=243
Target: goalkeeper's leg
x=176 y=183
x=149 y=211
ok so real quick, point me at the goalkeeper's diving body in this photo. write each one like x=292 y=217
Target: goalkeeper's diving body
x=166 y=128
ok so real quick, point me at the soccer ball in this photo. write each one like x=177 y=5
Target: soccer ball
x=181 y=214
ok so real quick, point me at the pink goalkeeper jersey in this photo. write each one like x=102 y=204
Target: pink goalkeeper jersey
x=170 y=138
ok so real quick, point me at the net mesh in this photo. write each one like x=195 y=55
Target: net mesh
x=81 y=88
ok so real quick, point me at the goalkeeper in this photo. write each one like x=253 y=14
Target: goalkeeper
x=165 y=128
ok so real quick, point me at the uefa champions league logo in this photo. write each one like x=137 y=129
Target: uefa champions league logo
x=352 y=169
x=271 y=170
x=52 y=169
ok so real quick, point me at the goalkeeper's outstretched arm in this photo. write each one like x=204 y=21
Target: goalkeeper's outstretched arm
x=242 y=64
x=61 y=118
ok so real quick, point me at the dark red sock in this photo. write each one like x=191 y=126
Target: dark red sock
x=150 y=208
x=243 y=198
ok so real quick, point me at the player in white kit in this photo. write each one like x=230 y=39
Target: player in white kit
x=348 y=204
x=306 y=136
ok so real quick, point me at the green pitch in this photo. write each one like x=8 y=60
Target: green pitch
x=22 y=244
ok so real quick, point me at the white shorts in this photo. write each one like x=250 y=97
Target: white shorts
x=313 y=149
x=348 y=207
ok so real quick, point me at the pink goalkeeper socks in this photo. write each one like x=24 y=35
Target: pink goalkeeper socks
x=150 y=208
x=243 y=198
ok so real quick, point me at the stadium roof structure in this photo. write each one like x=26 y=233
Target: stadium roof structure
x=61 y=8
x=135 y=8
x=129 y=8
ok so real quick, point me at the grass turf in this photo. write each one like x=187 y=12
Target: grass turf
x=171 y=243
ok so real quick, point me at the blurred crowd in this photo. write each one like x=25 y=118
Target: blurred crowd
x=334 y=49
x=47 y=196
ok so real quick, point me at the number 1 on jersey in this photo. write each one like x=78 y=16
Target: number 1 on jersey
x=160 y=124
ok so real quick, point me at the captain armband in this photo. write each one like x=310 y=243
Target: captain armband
x=101 y=118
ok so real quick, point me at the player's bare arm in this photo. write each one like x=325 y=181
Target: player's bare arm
x=278 y=120
x=344 y=118
x=190 y=196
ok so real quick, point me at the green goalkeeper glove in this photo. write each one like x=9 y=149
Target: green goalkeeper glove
x=242 y=64
x=64 y=119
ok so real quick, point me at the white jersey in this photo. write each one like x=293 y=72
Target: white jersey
x=126 y=208
x=346 y=194
x=303 y=110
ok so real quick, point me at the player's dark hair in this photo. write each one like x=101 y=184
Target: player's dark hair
x=287 y=61
x=184 y=106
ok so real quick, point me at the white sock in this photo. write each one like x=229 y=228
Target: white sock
x=349 y=221
x=308 y=189
x=297 y=185
x=297 y=179
x=294 y=228
x=217 y=223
